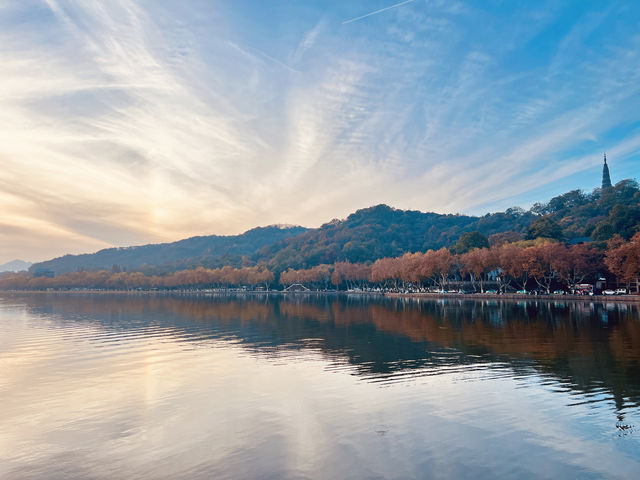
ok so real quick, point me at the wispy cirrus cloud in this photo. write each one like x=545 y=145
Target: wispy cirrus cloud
x=130 y=122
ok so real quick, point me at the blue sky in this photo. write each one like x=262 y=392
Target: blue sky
x=127 y=122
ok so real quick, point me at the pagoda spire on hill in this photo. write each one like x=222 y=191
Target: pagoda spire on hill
x=606 y=179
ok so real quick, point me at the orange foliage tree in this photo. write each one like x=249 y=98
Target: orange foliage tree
x=623 y=259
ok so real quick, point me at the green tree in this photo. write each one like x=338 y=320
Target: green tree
x=603 y=231
x=545 y=227
x=469 y=241
x=625 y=220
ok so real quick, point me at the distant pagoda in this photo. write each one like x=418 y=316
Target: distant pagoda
x=606 y=179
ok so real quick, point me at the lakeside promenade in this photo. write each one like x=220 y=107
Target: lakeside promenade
x=628 y=298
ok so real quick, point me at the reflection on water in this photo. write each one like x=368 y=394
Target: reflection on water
x=108 y=386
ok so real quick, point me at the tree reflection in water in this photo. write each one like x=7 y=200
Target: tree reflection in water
x=590 y=349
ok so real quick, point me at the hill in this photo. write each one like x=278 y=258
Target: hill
x=600 y=214
x=14 y=266
x=382 y=231
x=211 y=251
x=377 y=232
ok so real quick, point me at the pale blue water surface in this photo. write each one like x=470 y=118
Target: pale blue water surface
x=106 y=386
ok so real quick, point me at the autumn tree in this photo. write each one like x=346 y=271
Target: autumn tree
x=436 y=265
x=545 y=263
x=623 y=259
x=336 y=279
x=581 y=261
x=410 y=267
x=386 y=270
x=477 y=264
x=289 y=277
x=511 y=259
x=350 y=273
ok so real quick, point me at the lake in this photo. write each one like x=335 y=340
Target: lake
x=107 y=386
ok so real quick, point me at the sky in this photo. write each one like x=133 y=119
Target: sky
x=129 y=122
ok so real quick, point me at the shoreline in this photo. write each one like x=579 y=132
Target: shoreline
x=519 y=297
x=630 y=298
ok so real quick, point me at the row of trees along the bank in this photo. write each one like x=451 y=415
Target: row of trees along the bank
x=224 y=277
x=540 y=263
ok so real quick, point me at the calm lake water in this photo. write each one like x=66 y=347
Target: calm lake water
x=137 y=386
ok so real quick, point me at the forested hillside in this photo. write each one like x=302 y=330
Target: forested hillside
x=381 y=231
x=211 y=251
x=599 y=214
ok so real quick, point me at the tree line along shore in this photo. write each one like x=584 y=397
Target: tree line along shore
x=541 y=266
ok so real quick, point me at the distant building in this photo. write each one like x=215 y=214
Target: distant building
x=606 y=179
